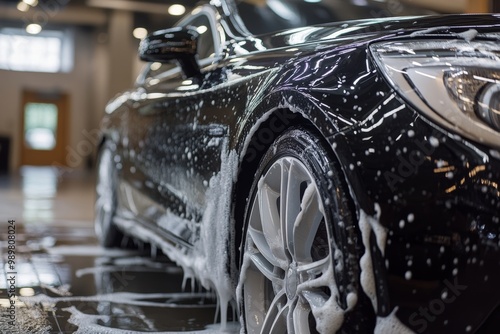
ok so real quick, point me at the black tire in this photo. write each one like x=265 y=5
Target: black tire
x=274 y=278
x=106 y=200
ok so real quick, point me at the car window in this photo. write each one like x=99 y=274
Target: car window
x=266 y=16
x=206 y=44
x=152 y=70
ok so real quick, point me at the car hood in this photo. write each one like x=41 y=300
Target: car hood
x=444 y=26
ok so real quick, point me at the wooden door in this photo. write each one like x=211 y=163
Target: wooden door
x=44 y=132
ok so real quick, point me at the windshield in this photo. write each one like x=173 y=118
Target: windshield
x=265 y=16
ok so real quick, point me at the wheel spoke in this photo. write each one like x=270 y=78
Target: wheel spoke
x=315 y=268
x=325 y=309
x=289 y=245
x=270 y=221
x=295 y=177
x=264 y=267
x=316 y=299
x=260 y=242
x=275 y=321
x=290 y=319
x=316 y=276
x=301 y=318
x=306 y=224
x=284 y=204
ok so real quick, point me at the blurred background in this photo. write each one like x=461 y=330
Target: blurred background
x=60 y=62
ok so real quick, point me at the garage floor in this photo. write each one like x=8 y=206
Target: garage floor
x=66 y=283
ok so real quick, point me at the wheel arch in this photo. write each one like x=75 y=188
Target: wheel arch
x=278 y=113
x=250 y=159
x=274 y=116
x=246 y=186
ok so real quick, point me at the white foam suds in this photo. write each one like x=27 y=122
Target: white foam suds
x=88 y=250
x=385 y=325
x=329 y=315
x=208 y=261
x=327 y=312
x=391 y=325
x=138 y=261
x=468 y=35
x=62 y=290
x=428 y=31
x=211 y=255
x=239 y=289
x=367 y=224
x=125 y=298
x=96 y=271
x=89 y=324
x=133 y=264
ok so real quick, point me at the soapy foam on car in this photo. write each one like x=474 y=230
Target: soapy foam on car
x=328 y=314
x=207 y=262
x=368 y=224
x=391 y=325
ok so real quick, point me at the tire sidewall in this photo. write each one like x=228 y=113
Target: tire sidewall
x=107 y=233
x=318 y=159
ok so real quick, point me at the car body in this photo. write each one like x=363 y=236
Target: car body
x=416 y=165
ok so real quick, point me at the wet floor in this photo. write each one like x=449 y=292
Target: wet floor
x=64 y=282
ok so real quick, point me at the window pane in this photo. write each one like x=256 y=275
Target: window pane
x=40 y=126
x=205 y=41
x=30 y=53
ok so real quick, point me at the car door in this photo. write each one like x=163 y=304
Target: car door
x=173 y=148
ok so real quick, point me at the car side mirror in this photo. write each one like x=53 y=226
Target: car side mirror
x=175 y=44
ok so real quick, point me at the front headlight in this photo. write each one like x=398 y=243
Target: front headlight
x=455 y=83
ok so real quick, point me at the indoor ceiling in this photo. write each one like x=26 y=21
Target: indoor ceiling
x=150 y=14
x=153 y=14
x=134 y=5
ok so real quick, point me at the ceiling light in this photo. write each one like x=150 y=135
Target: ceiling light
x=31 y=2
x=176 y=10
x=140 y=33
x=33 y=28
x=23 y=7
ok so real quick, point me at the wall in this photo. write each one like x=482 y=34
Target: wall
x=76 y=84
x=455 y=6
x=90 y=85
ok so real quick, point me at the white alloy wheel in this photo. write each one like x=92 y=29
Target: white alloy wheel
x=105 y=204
x=299 y=264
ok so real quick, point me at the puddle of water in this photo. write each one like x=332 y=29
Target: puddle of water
x=70 y=286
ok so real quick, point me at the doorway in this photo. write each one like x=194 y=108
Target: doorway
x=44 y=128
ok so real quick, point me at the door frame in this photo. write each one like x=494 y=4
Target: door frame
x=56 y=156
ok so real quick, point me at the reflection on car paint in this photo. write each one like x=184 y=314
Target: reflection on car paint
x=433 y=192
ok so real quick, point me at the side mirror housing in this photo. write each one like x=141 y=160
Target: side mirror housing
x=168 y=45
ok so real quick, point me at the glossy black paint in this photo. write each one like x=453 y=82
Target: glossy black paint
x=172 y=134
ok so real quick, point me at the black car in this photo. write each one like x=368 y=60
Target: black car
x=339 y=177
